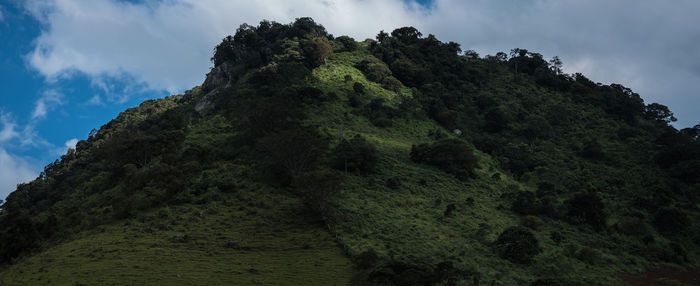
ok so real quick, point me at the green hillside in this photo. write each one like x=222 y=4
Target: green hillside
x=309 y=159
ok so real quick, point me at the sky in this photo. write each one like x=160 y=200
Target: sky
x=68 y=66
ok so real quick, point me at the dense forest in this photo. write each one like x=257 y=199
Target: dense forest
x=400 y=160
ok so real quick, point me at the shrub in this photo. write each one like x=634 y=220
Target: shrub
x=532 y=222
x=367 y=259
x=556 y=237
x=348 y=43
x=317 y=51
x=449 y=119
x=391 y=83
x=355 y=154
x=633 y=226
x=668 y=220
x=525 y=203
x=358 y=87
x=375 y=71
x=316 y=189
x=588 y=255
x=291 y=153
x=518 y=245
x=354 y=100
x=449 y=210
x=451 y=155
x=586 y=208
x=393 y=183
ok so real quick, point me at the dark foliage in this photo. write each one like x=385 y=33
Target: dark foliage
x=292 y=153
x=348 y=43
x=586 y=208
x=525 y=203
x=355 y=155
x=518 y=245
x=453 y=156
x=669 y=220
x=359 y=88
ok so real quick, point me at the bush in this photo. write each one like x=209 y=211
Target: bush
x=317 y=51
x=525 y=203
x=449 y=119
x=354 y=100
x=556 y=237
x=316 y=189
x=451 y=155
x=348 y=43
x=588 y=255
x=356 y=154
x=391 y=83
x=532 y=222
x=291 y=153
x=367 y=259
x=586 y=208
x=668 y=220
x=358 y=87
x=393 y=183
x=633 y=226
x=375 y=71
x=518 y=245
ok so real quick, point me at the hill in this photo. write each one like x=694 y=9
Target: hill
x=309 y=159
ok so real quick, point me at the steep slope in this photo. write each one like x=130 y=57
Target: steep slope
x=305 y=159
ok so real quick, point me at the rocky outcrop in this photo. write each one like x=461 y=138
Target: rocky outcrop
x=219 y=76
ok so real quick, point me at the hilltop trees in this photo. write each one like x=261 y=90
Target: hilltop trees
x=659 y=112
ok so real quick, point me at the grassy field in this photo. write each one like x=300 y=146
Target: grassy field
x=234 y=240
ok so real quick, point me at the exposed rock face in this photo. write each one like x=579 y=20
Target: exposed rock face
x=219 y=76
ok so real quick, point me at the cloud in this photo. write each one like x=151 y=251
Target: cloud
x=95 y=100
x=166 y=45
x=70 y=144
x=48 y=100
x=14 y=170
x=1 y=16
x=8 y=131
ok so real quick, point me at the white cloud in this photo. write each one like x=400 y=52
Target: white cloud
x=8 y=131
x=95 y=100
x=166 y=45
x=48 y=100
x=70 y=144
x=14 y=170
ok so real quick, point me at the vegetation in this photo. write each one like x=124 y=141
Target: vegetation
x=309 y=159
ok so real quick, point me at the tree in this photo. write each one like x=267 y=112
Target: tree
x=355 y=154
x=349 y=43
x=453 y=156
x=555 y=65
x=318 y=51
x=518 y=245
x=293 y=152
x=659 y=112
x=406 y=34
x=586 y=208
x=358 y=87
x=693 y=132
x=471 y=54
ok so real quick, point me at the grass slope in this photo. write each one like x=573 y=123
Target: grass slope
x=279 y=243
